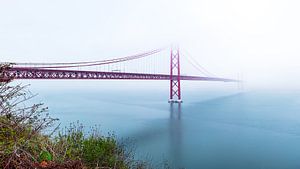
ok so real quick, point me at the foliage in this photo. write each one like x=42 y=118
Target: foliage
x=97 y=150
x=93 y=149
x=20 y=125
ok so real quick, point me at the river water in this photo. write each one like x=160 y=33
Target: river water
x=210 y=130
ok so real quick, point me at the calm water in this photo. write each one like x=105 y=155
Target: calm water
x=209 y=130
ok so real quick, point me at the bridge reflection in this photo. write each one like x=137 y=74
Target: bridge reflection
x=175 y=132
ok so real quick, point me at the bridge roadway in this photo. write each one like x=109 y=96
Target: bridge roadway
x=13 y=73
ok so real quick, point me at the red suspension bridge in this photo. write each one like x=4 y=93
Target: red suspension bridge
x=123 y=68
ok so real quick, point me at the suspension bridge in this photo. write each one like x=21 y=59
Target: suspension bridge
x=148 y=65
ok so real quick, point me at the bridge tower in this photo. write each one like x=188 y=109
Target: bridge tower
x=175 y=90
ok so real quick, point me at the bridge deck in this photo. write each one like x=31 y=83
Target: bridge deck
x=35 y=73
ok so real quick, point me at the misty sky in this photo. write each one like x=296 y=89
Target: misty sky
x=259 y=38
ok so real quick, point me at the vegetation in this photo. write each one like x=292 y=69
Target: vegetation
x=26 y=142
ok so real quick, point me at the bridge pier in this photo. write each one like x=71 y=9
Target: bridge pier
x=175 y=101
x=175 y=89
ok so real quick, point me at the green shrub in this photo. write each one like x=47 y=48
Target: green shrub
x=68 y=143
x=45 y=156
x=101 y=151
x=93 y=149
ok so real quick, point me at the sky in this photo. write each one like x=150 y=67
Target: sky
x=259 y=39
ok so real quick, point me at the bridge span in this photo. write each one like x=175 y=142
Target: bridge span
x=64 y=71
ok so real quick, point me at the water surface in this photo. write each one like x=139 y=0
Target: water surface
x=209 y=130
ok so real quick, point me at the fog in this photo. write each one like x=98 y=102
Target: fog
x=259 y=39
